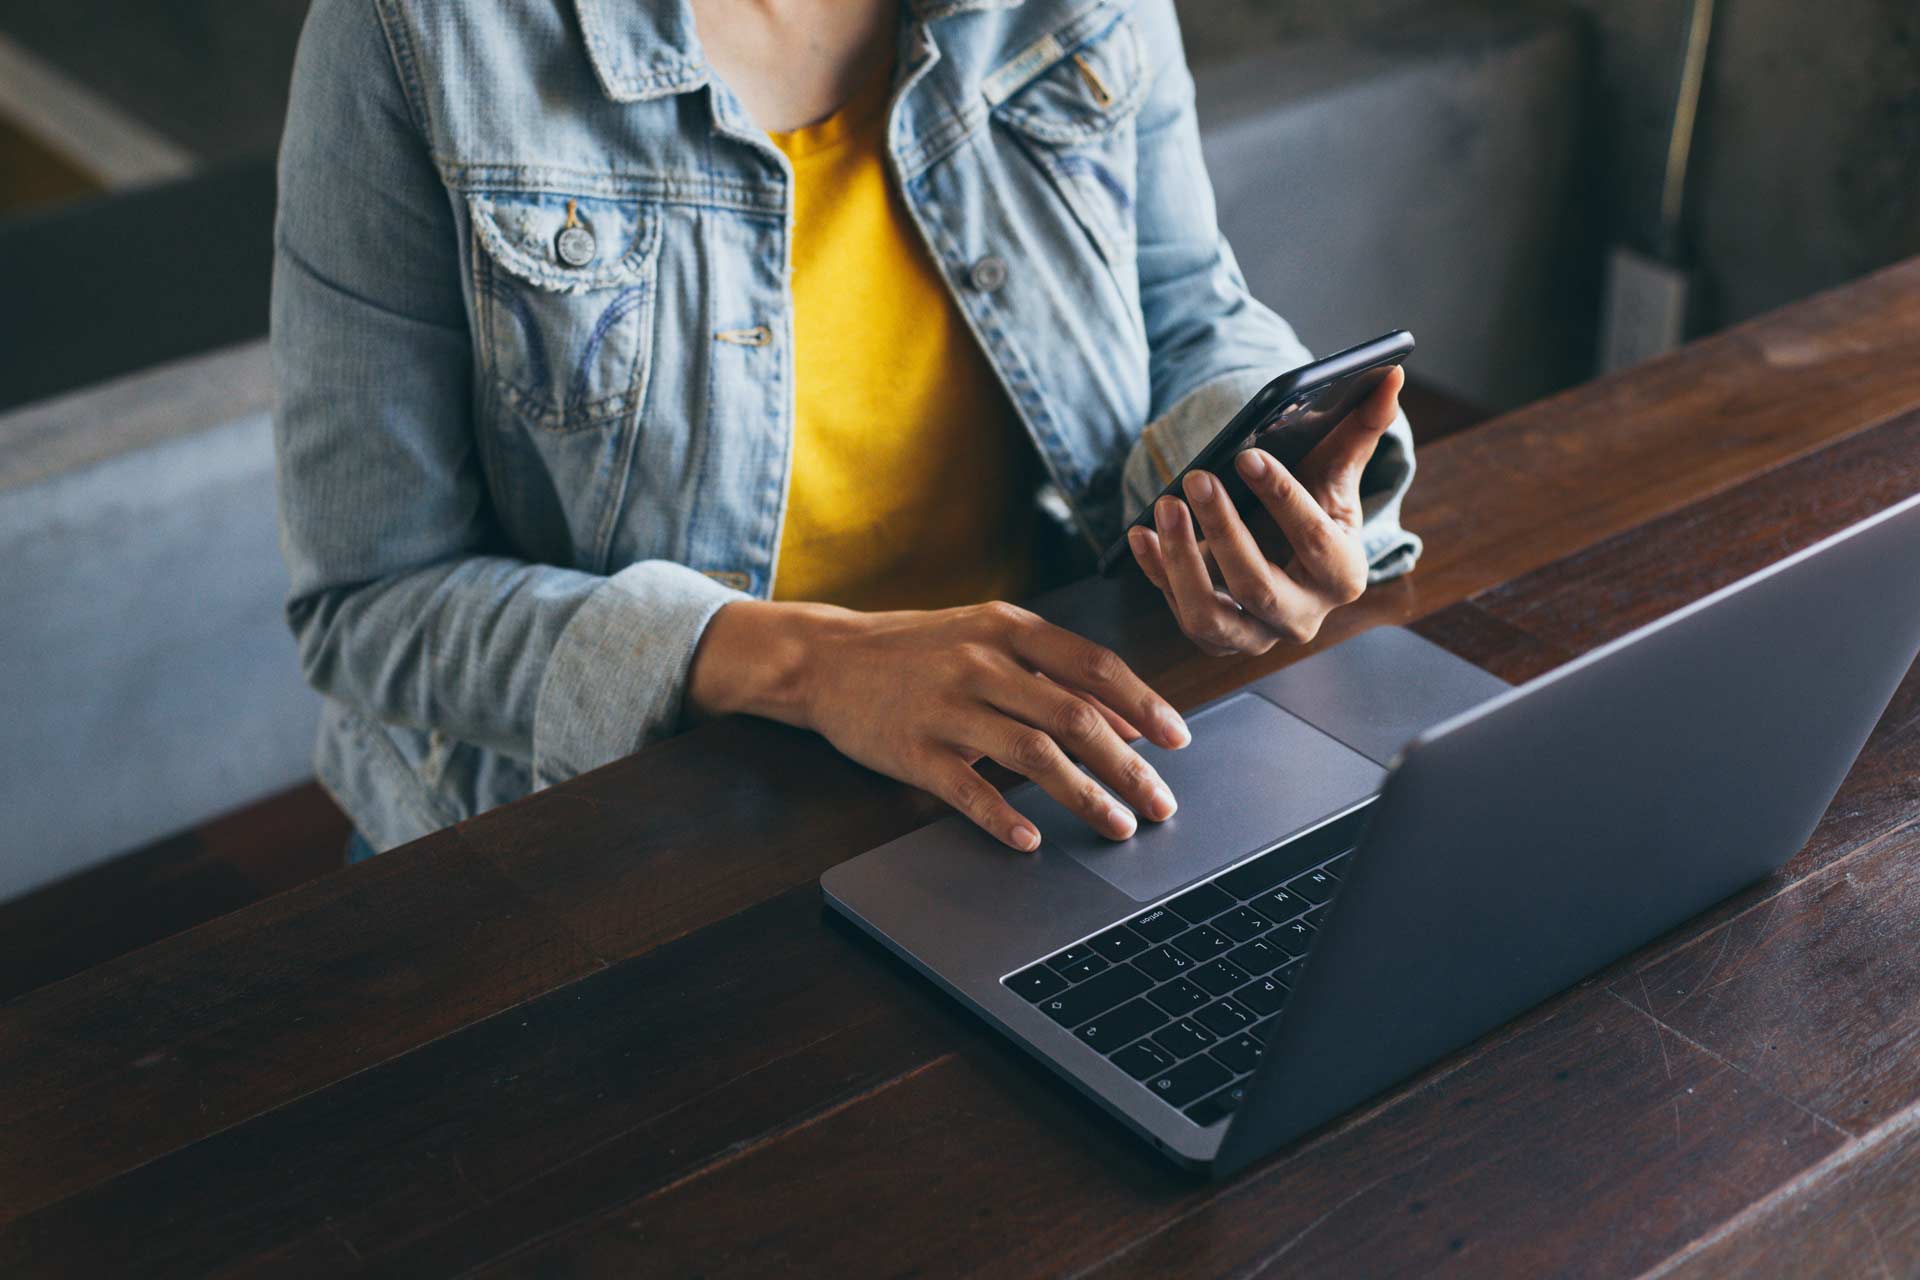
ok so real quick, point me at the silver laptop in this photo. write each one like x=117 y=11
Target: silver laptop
x=1382 y=852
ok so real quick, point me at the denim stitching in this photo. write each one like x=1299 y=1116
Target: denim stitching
x=1101 y=121
x=629 y=444
x=406 y=65
x=623 y=303
x=529 y=332
x=486 y=178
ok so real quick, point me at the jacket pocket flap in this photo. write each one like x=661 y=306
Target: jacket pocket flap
x=609 y=242
x=1064 y=91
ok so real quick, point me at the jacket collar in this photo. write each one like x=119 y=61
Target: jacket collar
x=642 y=50
x=645 y=49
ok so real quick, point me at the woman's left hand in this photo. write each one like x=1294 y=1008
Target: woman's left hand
x=1220 y=582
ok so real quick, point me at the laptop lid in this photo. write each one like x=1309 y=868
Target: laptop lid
x=1521 y=846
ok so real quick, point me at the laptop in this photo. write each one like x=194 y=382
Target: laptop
x=1382 y=852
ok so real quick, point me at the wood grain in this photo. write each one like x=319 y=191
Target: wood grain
x=1459 y=1174
x=169 y=886
x=113 y=1068
x=1857 y=1213
x=1815 y=991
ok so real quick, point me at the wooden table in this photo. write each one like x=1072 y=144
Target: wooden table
x=609 y=1030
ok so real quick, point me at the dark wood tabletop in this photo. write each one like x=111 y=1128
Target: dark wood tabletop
x=609 y=1030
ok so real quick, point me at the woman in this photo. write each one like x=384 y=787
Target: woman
x=645 y=360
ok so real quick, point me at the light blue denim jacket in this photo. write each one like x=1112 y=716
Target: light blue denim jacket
x=516 y=482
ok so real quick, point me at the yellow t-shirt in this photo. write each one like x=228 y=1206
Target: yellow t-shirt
x=912 y=481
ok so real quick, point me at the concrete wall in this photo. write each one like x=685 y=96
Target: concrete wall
x=1807 y=165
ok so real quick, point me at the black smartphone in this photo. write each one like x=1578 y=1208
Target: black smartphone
x=1287 y=418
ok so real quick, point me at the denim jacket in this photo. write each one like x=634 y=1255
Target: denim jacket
x=518 y=474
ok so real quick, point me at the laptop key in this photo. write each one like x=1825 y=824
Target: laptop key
x=1037 y=983
x=1213 y=1110
x=1258 y=956
x=1122 y=1026
x=1096 y=995
x=1263 y=872
x=1238 y=1054
x=1202 y=902
x=1189 y=1080
x=1338 y=866
x=1179 y=996
x=1065 y=960
x=1241 y=923
x=1184 y=1038
x=1294 y=938
x=1218 y=977
x=1119 y=943
x=1315 y=916
x=1162 y=963
x=1225 y=1017
x=1263 y=1030
x=1142 y=1058
x=1203 y=943
x=1081 y=969
x=1157 y=925
x=1280 y=904
x=1315 y=886
x=1262 y=995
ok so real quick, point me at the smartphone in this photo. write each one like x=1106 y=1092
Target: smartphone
x=1287 y=418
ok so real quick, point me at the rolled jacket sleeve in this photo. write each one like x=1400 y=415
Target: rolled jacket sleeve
x=619 y=669
x=1212 y=343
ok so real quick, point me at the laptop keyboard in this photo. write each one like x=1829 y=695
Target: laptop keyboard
x=1182 y=996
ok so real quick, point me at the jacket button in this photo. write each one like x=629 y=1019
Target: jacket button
x=988 y=274
x=575 y=246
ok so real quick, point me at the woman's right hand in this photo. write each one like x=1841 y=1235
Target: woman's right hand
x=923 y=697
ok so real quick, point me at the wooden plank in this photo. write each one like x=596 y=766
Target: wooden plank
x=171 y=885
x=115 y=1067
x=1635 y=577
x=1500 y=647
x=608 y=1088
x=1815 y=991
x=966 y=1168
x=1857 y=1213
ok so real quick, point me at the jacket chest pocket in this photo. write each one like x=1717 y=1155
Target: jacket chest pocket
x=1073 y=118
x=564 y=290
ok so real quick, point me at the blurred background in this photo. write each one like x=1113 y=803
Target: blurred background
x=1539 y=190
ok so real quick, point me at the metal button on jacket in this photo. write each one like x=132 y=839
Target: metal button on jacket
x=575 y=245
x=988 y=274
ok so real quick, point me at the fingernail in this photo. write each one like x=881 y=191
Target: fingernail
x=1252 y=463
x=1025 y=838
x=1120 y=822
x=1199 y=486
x=1136 y=537
x=1160 y=805
x=1163 y=513
x=1172 y=727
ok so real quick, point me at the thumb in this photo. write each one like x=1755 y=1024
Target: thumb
x=1336 y=462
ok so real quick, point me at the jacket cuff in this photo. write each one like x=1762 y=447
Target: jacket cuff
x=1170 y=440
x=618 y=675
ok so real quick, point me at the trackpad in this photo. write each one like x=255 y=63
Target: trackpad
x=1252 y=775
